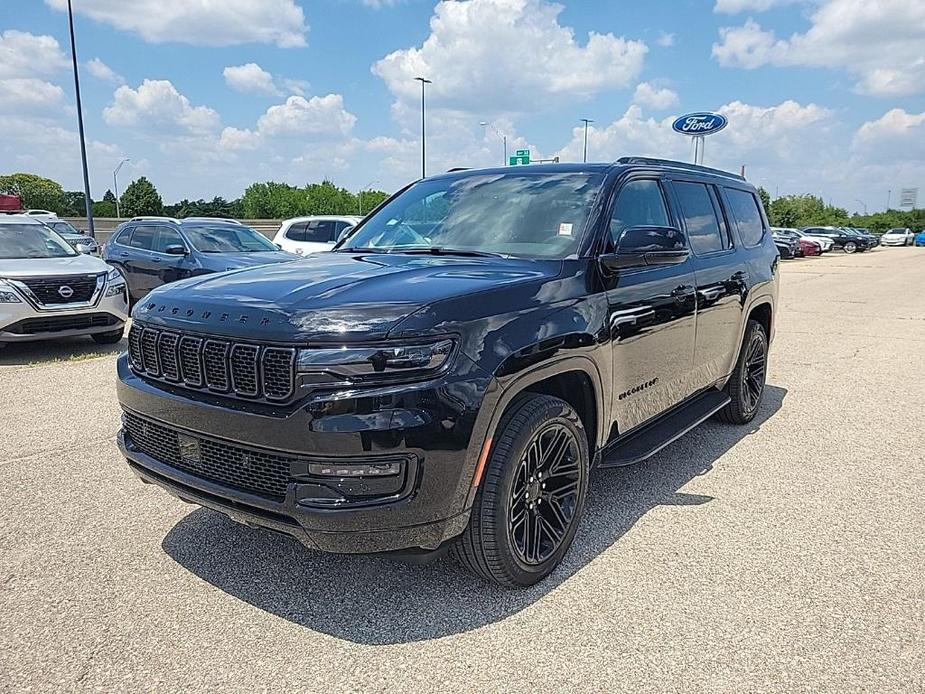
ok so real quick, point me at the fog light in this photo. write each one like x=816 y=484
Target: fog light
x=354 y=470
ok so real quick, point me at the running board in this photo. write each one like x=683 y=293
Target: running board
x=652 y=438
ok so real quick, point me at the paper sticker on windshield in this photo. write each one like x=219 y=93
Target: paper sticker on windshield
x=565 y=229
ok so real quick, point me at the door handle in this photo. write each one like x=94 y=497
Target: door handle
x=711 y=293
x=123 y=255
x=630 y=317
x=156 y=260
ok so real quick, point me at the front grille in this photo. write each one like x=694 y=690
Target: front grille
x=57 y=324
x=222 y=366
x=65 y=289
x=255 y=472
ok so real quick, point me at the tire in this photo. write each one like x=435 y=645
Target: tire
x=493 y=545
x=110 y=338
x=850 y=247
x=746 y=385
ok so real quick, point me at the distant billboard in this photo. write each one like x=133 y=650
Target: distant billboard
x=908 y=198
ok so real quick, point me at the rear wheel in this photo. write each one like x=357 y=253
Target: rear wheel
x=532 y=494
x=109 y=338
x=850 y=247
x=746 y=385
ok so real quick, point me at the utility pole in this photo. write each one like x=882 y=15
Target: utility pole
x=586 y=121
x=486 y=124
x=88 y=201
x=115 y=184
x=889 y=194
x=423 y=82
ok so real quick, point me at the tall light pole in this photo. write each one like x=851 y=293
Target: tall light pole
x=423 y=81
x=586 y=121
x=115 y=184
x=360 y=194
x=88 y=201
x=486 y=124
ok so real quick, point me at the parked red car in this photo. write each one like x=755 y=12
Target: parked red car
x=810 y=247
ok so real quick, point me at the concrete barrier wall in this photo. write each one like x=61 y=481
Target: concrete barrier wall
x=104 y=226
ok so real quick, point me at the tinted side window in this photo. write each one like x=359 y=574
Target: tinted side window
x=125 y=237
x=143 y=238
x=320 y=231
x=747 y=215
x=296 y=232
x=167 y=237
x=699 y=217
x=639 y=203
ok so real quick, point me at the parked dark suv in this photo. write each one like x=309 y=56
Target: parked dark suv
x=449 y=375
x=151 y=251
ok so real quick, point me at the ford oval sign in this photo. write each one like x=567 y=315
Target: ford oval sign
x=699 y=124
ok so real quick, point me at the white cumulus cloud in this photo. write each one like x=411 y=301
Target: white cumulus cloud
x=251 y=78
x=102 y=71
x=319 y=115
x=882 y=43
x=511 y=54
x=156 y=104
x=200 y=22
x=895 y=136
x=656 y=98
x=26 y=55
x=736 y=6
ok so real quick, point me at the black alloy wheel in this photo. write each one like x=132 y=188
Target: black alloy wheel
x=544 y=496
x=746 y=385
x=850 y=247
x=531 y=495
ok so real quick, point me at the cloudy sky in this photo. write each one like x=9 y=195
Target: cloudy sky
x=822 y=96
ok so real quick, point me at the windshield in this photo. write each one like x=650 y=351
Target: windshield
x=32 y=241
x=64 y=228
x=227 y=238
x=531 y=215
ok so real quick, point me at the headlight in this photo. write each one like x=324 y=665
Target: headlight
x=379 y=363
x=115 y=283
x=7 y=295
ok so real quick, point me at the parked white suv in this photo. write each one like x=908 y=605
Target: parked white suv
x=313 y=234
x=898 y=237
x=49 y=290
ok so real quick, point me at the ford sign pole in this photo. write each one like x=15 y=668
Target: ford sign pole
x=698 y=126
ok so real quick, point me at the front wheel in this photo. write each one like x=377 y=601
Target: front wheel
x=110 y=338
x=746 y=385
x=531 y=496
x=850 y=247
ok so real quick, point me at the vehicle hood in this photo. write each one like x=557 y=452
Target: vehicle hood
x=235 y=261
x=330 y=296
x=31 y=267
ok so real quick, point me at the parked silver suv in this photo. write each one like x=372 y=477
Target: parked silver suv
x=49 y=290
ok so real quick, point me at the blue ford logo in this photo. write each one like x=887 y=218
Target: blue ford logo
x=699 y=124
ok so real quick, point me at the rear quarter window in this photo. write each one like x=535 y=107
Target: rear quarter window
x=746 y=213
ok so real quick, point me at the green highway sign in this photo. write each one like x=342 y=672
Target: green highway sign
x=521 y=156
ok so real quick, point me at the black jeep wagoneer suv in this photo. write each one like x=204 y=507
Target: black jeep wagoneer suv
x=449 y=375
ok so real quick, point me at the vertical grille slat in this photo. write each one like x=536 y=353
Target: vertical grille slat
x=277 y=366
x=244 y=379
x=234 y=368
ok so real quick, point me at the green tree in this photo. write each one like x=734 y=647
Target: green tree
x=370 y=200
x=141 y=198
x=36 y=192
x=104 y=208
x=74 y=203
x=765 y=199
x=109 y=196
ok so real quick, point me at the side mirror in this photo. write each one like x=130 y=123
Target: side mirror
x=647 y=246
x=175 y=249
x=82 y=248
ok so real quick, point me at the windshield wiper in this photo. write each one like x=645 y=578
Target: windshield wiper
x=441 y=250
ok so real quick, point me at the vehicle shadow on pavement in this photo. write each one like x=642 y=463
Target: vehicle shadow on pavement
x=377 y=601
x=62 y=349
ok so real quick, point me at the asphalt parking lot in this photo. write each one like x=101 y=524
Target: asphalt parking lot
x=785 y=556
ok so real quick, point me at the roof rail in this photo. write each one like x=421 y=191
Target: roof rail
x=229 y=220
x=678 y=165
x=152 y=218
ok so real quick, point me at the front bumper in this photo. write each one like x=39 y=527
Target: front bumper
x=22 y=322
x=431 y=426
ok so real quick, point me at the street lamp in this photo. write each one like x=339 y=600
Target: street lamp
x=486 y=124
x=586 y=121
x=360 y=194
x=115 y=184
x=423 y=81
x=88 y=201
